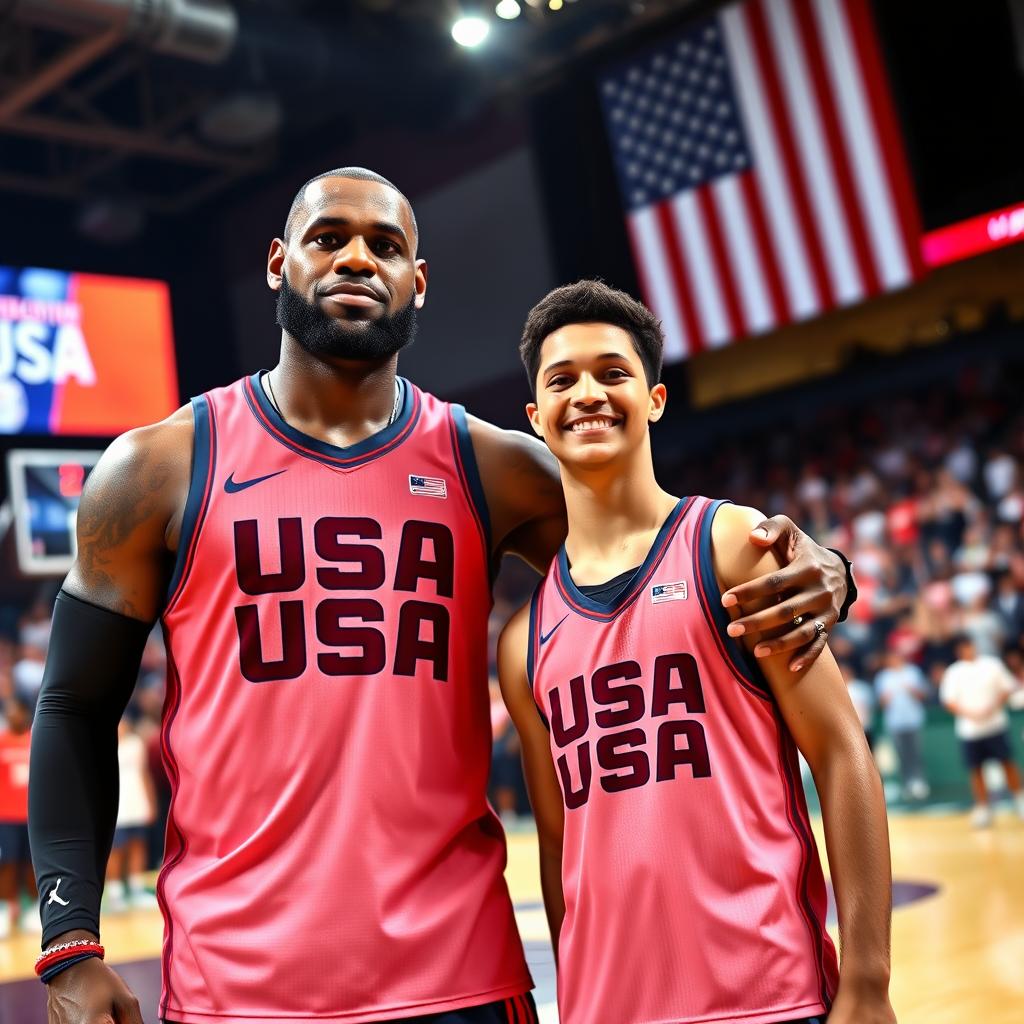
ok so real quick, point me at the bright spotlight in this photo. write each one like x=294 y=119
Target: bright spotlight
x=470 y=31
x=507 y=9
x=555 y=5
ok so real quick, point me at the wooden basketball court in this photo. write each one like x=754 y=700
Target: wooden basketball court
x=958 y=929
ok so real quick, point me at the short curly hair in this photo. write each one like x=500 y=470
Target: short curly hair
x=587 y=302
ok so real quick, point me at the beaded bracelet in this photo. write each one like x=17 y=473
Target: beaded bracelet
x=64 y=951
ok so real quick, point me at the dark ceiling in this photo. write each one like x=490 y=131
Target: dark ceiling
x=157 y=106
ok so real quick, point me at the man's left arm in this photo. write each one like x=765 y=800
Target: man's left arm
x=819 y=714
x=524 y=497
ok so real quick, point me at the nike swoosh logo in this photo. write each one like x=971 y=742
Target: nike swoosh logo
x=544 y=638
x=233 y=486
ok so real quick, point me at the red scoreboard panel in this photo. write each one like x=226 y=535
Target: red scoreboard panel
x=83 y=354
x=975 y=235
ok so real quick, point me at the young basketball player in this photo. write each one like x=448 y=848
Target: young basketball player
x=679 y=871
x=317 y=541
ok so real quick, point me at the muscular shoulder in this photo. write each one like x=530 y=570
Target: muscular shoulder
x=736 y=559
x=147 y=466
x=503 y=454
x=520 y=480
x=130 y=515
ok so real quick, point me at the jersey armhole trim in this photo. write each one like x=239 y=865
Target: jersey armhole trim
x=533 y=648
x=204 y=461
x=741 y=662
x=469 y=474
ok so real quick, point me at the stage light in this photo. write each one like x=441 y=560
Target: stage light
x=555 y=5
x=470 y=30
x=507 y=9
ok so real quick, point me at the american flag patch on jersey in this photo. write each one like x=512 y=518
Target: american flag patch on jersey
x=428 y=486
x=668 y=592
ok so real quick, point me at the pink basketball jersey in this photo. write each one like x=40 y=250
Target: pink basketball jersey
x=331 y=855
x=693 y=889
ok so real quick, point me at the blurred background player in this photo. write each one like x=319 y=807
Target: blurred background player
x=902 y=691
x=976 y=688
x=15 y=858
x=136 y=812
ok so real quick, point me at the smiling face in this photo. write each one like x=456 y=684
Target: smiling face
x=347 y=276
x=593 y=403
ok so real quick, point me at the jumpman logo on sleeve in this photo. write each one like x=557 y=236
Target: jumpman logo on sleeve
x=54 y=898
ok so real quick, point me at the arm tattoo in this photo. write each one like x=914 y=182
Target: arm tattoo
x=107 y=520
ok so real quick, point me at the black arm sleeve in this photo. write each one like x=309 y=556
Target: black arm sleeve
x=91 y=668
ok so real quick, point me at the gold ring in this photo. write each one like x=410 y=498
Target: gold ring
x=798 y=620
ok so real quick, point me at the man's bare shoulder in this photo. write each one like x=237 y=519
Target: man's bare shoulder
x=515 y=449
x=130 y=515
x=522 y=486
x=170 y=438
x=153 y=458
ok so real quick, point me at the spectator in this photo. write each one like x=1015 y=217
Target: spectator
x=1009 y=604
x=902 y=691
x=15 y=859
x=27 y=673
x=135 y=814
x=976 y=688
x=984 y=626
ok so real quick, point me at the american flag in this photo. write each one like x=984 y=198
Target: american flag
x=429 y=486
x=762 y=170
x=668 y=592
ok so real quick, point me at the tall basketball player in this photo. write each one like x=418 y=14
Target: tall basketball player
x=679 y=870
x=317 y=542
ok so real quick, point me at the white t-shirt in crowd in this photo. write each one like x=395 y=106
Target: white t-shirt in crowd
x=979 y=686
x=134 y=807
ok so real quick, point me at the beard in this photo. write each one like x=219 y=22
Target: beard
x=325 y=336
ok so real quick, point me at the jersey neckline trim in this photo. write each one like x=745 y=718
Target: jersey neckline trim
x=605 y=611
x=333 y=455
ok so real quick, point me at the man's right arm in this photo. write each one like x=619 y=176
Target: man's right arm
x=127 y=531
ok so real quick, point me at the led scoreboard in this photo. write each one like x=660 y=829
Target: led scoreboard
x=83 y=354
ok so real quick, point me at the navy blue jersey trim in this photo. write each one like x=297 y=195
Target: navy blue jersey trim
x=204 y=464
x=743 y=663
x=605 y=611
x=353 y=455
x=471 y=475
x=533 y=648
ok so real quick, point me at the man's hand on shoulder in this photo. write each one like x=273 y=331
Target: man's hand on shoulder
x=806 y=585
x=523 y=491
x=129 y=516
